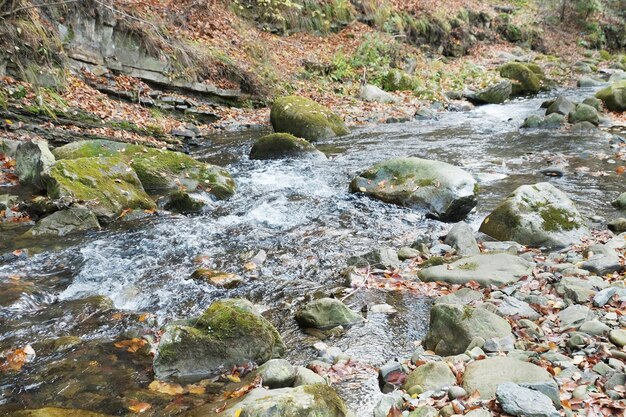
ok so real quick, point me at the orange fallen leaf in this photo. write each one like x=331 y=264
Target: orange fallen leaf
x=139 y=407
x=133 y=344
x=620 y=169
x=163 y=387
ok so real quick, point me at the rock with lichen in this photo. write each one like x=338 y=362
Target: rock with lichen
x=229 y=333
x=536 y=215
x=446 y=192
x=304 y=118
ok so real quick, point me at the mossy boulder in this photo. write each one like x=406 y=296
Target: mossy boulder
x=284 y=146
x=159 y=170
x=536 y=215
x=620 y=202
x=304 y=401
x=552 y=121
x=65 y=222
x=55 y=412
x=180 y=202
x=453 y=327
x=584 y=113
x=304 y=118
x=495 y=93
x=526 y=80
x=107 y=186
x=230 y=332
x=446 y=192
x=326 y=313
x=614 y=96
x=430 y=376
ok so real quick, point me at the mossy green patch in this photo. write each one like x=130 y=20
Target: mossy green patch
x=528 y=81
x=433 y=261
x=502 y=222
x=106 y=185
x=281 y=145
x=304 y=118
x=159 y=170
x=322 y=392
x=555 y=219
x=614 y=96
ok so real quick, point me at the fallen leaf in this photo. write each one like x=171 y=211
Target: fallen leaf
x=139 y=407
x=133 y=344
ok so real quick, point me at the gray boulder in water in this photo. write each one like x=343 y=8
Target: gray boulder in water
x=536 y=215
x=445 y=191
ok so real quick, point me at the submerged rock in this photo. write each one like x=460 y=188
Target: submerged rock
x=326 y=313
x=536 y=215
x=308 y=400
x=64 y=222
x=107 y=186
x=453 y=327
x=446 y=192
x=614 y=96
x=486 y=269
x=284 y=146
x=304 y=118
x=55 y=412
x=228 y=333
x=160 y=171
x=485 y=375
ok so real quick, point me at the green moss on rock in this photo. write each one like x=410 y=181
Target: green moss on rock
x=527 y=80
x=397 y=80
x=107 y=186
x=283 y=145
x=614 y=96
x=228 y=333
x=304 y=118
x=159 y=170
x=556 y=219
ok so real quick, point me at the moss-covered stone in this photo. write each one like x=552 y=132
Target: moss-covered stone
x=107 y=186
x=228 y=333
x=159 y=170
x=537 y=215
x=181 y=202
x=453 y=327
x=326 y=313
x=614 y=96
x=620 y=202
x=527 y=80
x=496 y=93
x=446 y=192
x=64 y=222
x=283 y=146
x=584 y=113
x=304 y=118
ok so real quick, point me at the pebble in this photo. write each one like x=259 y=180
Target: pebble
x=456 y=392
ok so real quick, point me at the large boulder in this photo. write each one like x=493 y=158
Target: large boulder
x=230 y=332
x=159 y=170
x=446 y=192
x=308 y=400
x=486 y=269
x=32 y=161
x=430 y=376
x=64 y=222
x=325 y=313
x=453 y=327
x=526 y=81
x=284 y=146
x=485 y=375
x=304 y=118
x=536 y=215
x=107 y=186
x=614 y=96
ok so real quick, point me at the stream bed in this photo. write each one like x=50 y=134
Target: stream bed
x=302 y=216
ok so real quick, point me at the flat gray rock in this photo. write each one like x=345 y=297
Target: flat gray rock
x=486 y=269
x=520 y=401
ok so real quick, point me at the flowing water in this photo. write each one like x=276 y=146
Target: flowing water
x=301 y=214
